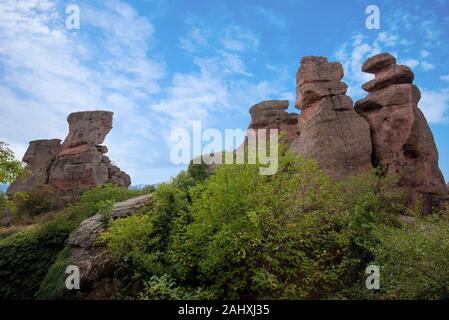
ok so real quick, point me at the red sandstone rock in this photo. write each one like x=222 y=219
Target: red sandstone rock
x=394 y=74
x=312 y=92
x=330 y=131
x=81 y=163
x=272 y=114
x=39 y=157
x=378 y=62
x=318 y=69
x=89 y=128
x=402 y=141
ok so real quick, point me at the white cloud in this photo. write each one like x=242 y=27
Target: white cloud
x=196 y=39
x=48 y=72
x=424 y=53
x=426 y=66
x=445 y=77
x=274 y=18
x=387 y=39
x=412 y=63
x=236 y=38
x=435 y=105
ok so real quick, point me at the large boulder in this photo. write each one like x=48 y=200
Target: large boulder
x=92 y=257
x=403 y=144
x=329 y=130
x=39 y=158
x=81 y=162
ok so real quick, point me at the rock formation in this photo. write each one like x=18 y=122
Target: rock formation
x=81 y=162
x=272 y=114
x=329 y=130
x=38 y=157
x=403 y=144
x=92 y=258
x=78 y=163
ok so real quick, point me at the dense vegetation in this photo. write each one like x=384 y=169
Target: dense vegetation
x=238 y=234
x=27 y=255
x=293 y=235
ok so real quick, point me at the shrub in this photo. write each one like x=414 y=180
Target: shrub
x=34 y=202
x=414 y=260
x=26 y=256
x=253 y=236
x=101 y=199
x=165 y=288
x=52 y=286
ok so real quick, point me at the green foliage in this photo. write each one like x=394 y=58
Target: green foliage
x=10 y=168
x=26 y=256
x=134 y=237
x=141 y=239
x=34 y=202
x=52 y=286
x=165 y=288
x=255 y=236
x=294 y=235
x=101 y=199
x=414 y=260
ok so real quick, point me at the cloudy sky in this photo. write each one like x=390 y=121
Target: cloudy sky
x=159 y=65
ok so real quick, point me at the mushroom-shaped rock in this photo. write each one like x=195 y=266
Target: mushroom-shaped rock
x=403 y=143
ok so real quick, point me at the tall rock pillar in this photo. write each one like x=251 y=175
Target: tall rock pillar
x=403 y=144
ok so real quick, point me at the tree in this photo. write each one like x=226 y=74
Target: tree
x=10 y=168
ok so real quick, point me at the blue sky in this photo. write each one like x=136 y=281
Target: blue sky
x=161 y=64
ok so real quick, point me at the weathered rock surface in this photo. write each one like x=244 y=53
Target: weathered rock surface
x=272 y=114
x=81 y=163
x=378 y=62
x=330 y=131
x=39 y=158
x=402 y=141
x=95 y=263
x=78 y=163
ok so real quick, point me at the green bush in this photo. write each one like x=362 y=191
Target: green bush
x=253 y=236
x=100 y=199
x=34 y=202
x=26 y=256
x=165 y=288
x=52 y=286
x=414 y=260
x=238 y=234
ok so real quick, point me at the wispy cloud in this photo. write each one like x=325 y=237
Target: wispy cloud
x=49 y=72
x=272 y=17
x=435 y=105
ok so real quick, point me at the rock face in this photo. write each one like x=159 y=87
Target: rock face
x=39 y=158
x=272 y=114
x=81 y=162
x=329 y=129
x=95 y=263
x=78 y=163
x=402 y=141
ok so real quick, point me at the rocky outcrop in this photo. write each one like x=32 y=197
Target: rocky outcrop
x=272 y=114
x=78 y=163
x=95 y=263
x=329 y=130
x=39 y=158
x=403 y=143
